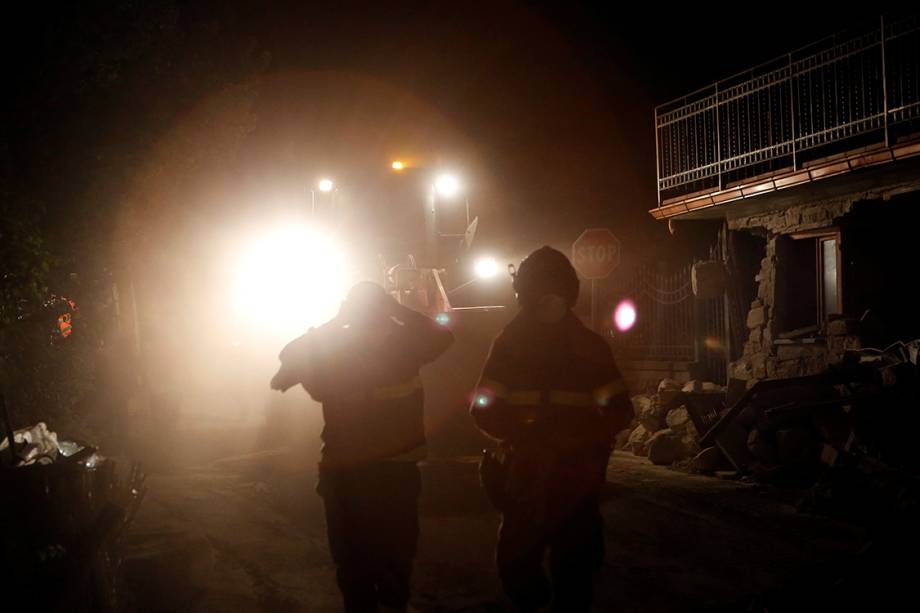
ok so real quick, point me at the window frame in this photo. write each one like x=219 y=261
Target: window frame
x=822 y=235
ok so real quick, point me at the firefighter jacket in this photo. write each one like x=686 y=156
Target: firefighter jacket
x=368 y=383
x=551 y=386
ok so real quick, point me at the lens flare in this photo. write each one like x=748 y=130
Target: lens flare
x=624 y=317
x=442 y=318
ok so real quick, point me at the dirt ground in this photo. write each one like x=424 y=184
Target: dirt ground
x=247 y=534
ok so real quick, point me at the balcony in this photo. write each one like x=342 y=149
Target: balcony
x=846 y=102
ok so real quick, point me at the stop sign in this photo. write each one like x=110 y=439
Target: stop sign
x=596 y=253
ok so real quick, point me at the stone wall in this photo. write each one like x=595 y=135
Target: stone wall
x=796 y=218
x=764 y=355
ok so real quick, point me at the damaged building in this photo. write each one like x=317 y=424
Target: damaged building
x=806 y=170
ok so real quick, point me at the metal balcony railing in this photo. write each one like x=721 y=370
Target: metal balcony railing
x=842 y=93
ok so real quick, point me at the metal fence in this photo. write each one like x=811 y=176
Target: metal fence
x=672 y=325
x=849 y=90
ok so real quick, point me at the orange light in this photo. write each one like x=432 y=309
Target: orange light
x=397 y=165
x=64 y=325
x=713 y=344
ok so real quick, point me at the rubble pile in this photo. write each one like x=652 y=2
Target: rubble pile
x=846 y=435
x=666 y=425
x=65 y=509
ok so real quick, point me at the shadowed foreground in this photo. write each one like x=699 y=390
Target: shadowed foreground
x=247 y=534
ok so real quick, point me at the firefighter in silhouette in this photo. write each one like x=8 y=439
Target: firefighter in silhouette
x=363 y=366
x=552 y=395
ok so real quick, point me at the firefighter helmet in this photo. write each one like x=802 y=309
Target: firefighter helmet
x=366 y=301
x=544 y=272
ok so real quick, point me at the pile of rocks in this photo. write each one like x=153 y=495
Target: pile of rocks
x=663 y=429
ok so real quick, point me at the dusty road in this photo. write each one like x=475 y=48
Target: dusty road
x=247 y=534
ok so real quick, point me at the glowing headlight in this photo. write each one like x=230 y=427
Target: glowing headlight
x=486 y=268
x=447 y=185
x=290 y=279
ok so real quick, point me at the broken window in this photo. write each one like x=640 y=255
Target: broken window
x=829 y=266
x=811 y=278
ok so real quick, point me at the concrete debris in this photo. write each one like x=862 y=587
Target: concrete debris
x=668 y=385
x=708 y=461
x=649 y=412
x=638 y=441
x=673 y=417
x=678 y=419
x=696 y=386
x=666 y=447
x=846 y=435
x=622 y=439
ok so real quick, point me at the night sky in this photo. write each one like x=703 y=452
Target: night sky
x=545 y=110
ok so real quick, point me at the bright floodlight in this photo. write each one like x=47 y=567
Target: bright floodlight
x=447 y=185
x=624 y=317
x=325 y=185
x=397 y=165
x=290 y=278
x=486 y=268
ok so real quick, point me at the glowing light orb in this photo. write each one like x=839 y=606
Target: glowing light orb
x=442 y=318
x=397 y=165
x=486 y=268
x=325 y=185
x=482 y=400
x=624 y=317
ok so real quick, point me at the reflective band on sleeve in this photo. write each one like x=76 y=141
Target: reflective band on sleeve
x=400 y=390
x=605 y=393
x=528 y=397
x=556 y=397
x=571 y=399
x=599 y=397
x=386 y=392
x=493 y=388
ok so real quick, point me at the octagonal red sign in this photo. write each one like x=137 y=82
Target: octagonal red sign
x=596 y=253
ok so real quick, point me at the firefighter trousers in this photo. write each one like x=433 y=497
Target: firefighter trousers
x=575 y=541
x=372 y=525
